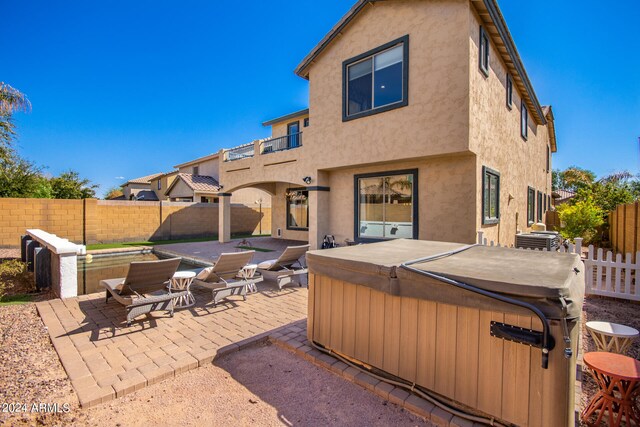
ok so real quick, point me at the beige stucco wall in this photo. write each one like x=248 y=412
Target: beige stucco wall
x=495 y=137
x=180 y=190
x=133 y=189
x=434 y=123
x=280 y=129
x=445 y=198
x=279 y=214
x=207 y=167
x=165 y=182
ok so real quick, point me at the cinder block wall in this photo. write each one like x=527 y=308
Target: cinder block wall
x=103 y=221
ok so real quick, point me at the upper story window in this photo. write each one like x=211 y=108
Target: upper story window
x=490 y=196
x=196 y=170
x=305 y=122
x=159 y=185
x=483 y=60
x=531 y=206
x=548 y=158
x=377 y=80
x=509 y=92
x=524 y=121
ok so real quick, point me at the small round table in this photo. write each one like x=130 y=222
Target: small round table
x=618 y=378
x=181 y=281
x=247 y=272
x=612 y=336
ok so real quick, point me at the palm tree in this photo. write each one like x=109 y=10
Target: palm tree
x=11 y=100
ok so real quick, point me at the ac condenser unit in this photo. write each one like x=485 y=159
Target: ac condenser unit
x=548 y=240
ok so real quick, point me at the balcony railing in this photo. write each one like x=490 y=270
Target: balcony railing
x=266 y=146
x=282 y=143
x=241 y=152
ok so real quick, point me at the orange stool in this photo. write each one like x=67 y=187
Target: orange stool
x=618 y=378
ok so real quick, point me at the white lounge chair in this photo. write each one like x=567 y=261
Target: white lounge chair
x=287 y=268
x=224 y=278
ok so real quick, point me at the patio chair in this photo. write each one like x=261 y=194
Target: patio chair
x=145 y=288
x=287 y=268
x=225 y=278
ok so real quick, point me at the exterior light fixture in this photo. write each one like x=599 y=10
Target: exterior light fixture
x=307 y=180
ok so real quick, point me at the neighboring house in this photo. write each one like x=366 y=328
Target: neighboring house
x=140 y=189
x=562 y=196
x=197 y=181
x=422 y=123
x=160 y=184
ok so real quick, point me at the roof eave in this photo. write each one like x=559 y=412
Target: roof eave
x=299 y=113
x=198 y=160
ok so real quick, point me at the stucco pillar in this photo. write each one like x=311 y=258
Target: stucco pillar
x=224 y=217
x=319 y=224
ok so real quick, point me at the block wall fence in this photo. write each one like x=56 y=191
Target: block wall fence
x=92 y=221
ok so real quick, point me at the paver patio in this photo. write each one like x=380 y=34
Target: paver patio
x=104 y=359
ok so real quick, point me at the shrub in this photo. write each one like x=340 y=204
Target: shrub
x=14 y=276
x=581 y=219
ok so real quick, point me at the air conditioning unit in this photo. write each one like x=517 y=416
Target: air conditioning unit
x=541 y=240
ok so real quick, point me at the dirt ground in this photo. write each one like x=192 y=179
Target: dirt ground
x=607 y=310
x=260 y=385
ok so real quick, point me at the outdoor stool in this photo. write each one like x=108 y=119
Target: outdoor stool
x=612 y=337
x=618 y=379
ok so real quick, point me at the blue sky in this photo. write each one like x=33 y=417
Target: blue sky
x=129 y=88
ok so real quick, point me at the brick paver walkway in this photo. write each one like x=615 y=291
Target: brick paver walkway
x=104 y=359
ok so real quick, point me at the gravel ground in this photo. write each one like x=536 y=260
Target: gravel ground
x=261 y=385
x=607 y=310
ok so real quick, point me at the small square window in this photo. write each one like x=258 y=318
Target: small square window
x=531 y=206
x=196 y=170
x=524 y=121
x=490 y=196
x=509 y=92
x=483 y=59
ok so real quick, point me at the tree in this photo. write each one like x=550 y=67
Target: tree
x=11 y=100
x=573 y=179
x=113 y=192
x=580 y=219
x=69 y=185
x=19 y=177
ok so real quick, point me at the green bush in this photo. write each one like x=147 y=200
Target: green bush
x=580 y=219
x=14 y=276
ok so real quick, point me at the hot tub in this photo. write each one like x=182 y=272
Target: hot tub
x=491 y=330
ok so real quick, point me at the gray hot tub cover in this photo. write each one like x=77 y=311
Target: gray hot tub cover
x=544 y=279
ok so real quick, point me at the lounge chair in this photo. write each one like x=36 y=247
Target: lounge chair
x=287 y=268
x=225 y=279
x=145 y=288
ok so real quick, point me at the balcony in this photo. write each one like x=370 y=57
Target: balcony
x=240 y=152
x=265 y=146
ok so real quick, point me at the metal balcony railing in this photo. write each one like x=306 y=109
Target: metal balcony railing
x=287 y=142
x=240 y=152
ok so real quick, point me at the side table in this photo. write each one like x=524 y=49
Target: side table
x=612 y=336
x=618 y=379
x=181 y=281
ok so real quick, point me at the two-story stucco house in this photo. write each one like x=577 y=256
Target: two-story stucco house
x=197 y=181
x=422 y=123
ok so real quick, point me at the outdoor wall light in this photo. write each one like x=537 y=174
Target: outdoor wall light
x=307 y=180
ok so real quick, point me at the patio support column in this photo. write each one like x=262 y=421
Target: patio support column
x=224 y=217
x=318 y=215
